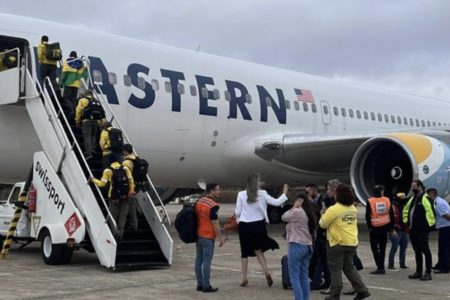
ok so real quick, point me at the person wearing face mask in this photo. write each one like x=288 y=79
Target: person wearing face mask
x=419 y=214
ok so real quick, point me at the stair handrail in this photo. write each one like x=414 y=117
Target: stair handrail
x=119 y=126
x=47 y=79
x=18 y=54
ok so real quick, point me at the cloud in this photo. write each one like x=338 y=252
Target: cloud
x=401 y=44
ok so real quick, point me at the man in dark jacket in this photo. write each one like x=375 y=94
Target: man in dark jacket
x=419 y=214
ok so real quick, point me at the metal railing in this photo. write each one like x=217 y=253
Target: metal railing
x=118 y=125
x=62 y=117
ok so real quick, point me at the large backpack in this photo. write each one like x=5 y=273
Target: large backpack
x=53 y=52
x=140 y=169
x=94 y=110
x=115 y=140
x=186 y=224
x=10 y=60
x=119 y=184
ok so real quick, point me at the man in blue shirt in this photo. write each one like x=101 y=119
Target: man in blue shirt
x=442 y=209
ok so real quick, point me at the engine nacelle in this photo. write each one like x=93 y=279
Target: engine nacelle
x=395 y=160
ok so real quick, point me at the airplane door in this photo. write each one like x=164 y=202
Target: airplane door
x=326 y=113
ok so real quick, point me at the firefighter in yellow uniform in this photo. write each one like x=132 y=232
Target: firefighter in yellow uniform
x=128 y=161
x=121 y=190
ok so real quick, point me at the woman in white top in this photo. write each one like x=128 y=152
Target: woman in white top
x=251 y=213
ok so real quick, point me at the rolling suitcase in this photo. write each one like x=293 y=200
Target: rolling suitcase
x=285 y=273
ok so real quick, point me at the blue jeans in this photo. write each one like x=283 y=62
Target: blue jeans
x=205 y=252
x=400 y=240
x=298 y=261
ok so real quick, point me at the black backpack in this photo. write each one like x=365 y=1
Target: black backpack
x=119 y=183
x=10 y=60
x=186 y=224
x=94 y=110
x=140 y=169
x=53 y=52
x=115 y=140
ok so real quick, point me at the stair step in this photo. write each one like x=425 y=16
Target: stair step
x=138 y=234
x=140 y=256
x=138 y=245
x=138 y=252
x=140 y=265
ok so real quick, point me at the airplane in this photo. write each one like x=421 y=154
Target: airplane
x=202 y=118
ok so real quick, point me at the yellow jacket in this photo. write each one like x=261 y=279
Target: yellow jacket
x=2 y=66
x=107 y=178
x=82 y=103
x=105 y=142
x=41 y=55
x=340 y=221
x=128 y=162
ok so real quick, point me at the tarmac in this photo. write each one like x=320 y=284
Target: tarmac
x=23 y=275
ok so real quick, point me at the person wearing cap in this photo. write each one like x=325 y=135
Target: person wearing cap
x=401 y=237
x=72 y=72
x=105 y=142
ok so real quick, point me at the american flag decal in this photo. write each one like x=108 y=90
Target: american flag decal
x=304 y=95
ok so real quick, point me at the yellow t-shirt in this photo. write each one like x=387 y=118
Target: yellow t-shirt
x=341 y=224
x=107 y=178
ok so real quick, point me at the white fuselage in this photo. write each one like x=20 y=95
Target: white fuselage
x=211 y=139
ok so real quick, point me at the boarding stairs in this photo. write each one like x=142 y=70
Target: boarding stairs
x=62 y=142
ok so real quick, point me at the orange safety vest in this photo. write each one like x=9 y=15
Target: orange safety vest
x=379 y=211
x=205 y=228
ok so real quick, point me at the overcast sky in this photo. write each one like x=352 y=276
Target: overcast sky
x=396 y=44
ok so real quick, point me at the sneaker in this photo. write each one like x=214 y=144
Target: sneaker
x=426 y=277
x=362 y=295
x=392 y=269
x=378 y=272
x=415 y=276
x=210 y=289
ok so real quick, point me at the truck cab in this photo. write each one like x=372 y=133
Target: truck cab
x=7 y=207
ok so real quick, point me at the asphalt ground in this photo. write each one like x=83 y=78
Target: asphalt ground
x=23 y=275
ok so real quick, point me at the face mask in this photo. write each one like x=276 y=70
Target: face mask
x=415 y=191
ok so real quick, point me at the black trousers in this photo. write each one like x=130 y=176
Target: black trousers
x=421 y=246
x=378 y=241
x=50 y=71
x=69 y=100
x=444 y=249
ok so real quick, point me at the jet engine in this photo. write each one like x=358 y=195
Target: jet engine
x=395 y=160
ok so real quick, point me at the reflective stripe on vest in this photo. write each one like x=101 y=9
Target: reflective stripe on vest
x=379 y=211
x=205 y=228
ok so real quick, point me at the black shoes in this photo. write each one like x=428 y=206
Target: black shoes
x=199 y=288
x=378 y=272
x=210 y=289
x=415 y=276
x=404 y=267
x=331 y=297
x=425 y=277
x=362 y=295
x=441 y=272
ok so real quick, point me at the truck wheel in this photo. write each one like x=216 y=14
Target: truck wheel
x=274 y=214
x=52 y=254
x=67 y=255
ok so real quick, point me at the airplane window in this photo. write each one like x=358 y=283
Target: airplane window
x=350 y=112
x=126 y=80
x=423 y=123
x=313 y=108
x=434 y=124
x=445 y=124
x=305 y=106
x=155 y=84
x=417 y=123
x=269 y=101
x=216 y=94
x=193 y=90
x=411 y=122
x=358 y=114
x=141 y=83
x=399 y=120
x=288 y=104
x=372 y=116
x=380 y=117
x=343 y=112
x=405 y=120
x=386 y=118
x=168 y=86
x=227 y=95
x=336 y=111
x=366 y=115
x=248 y=99
x=428 y=123
x=97 y=76
x=181 y=89
x=392 y=119
x=112 y=78
x=325 y=110
x=205 y=93
x=296 y=105
x=439 y=124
